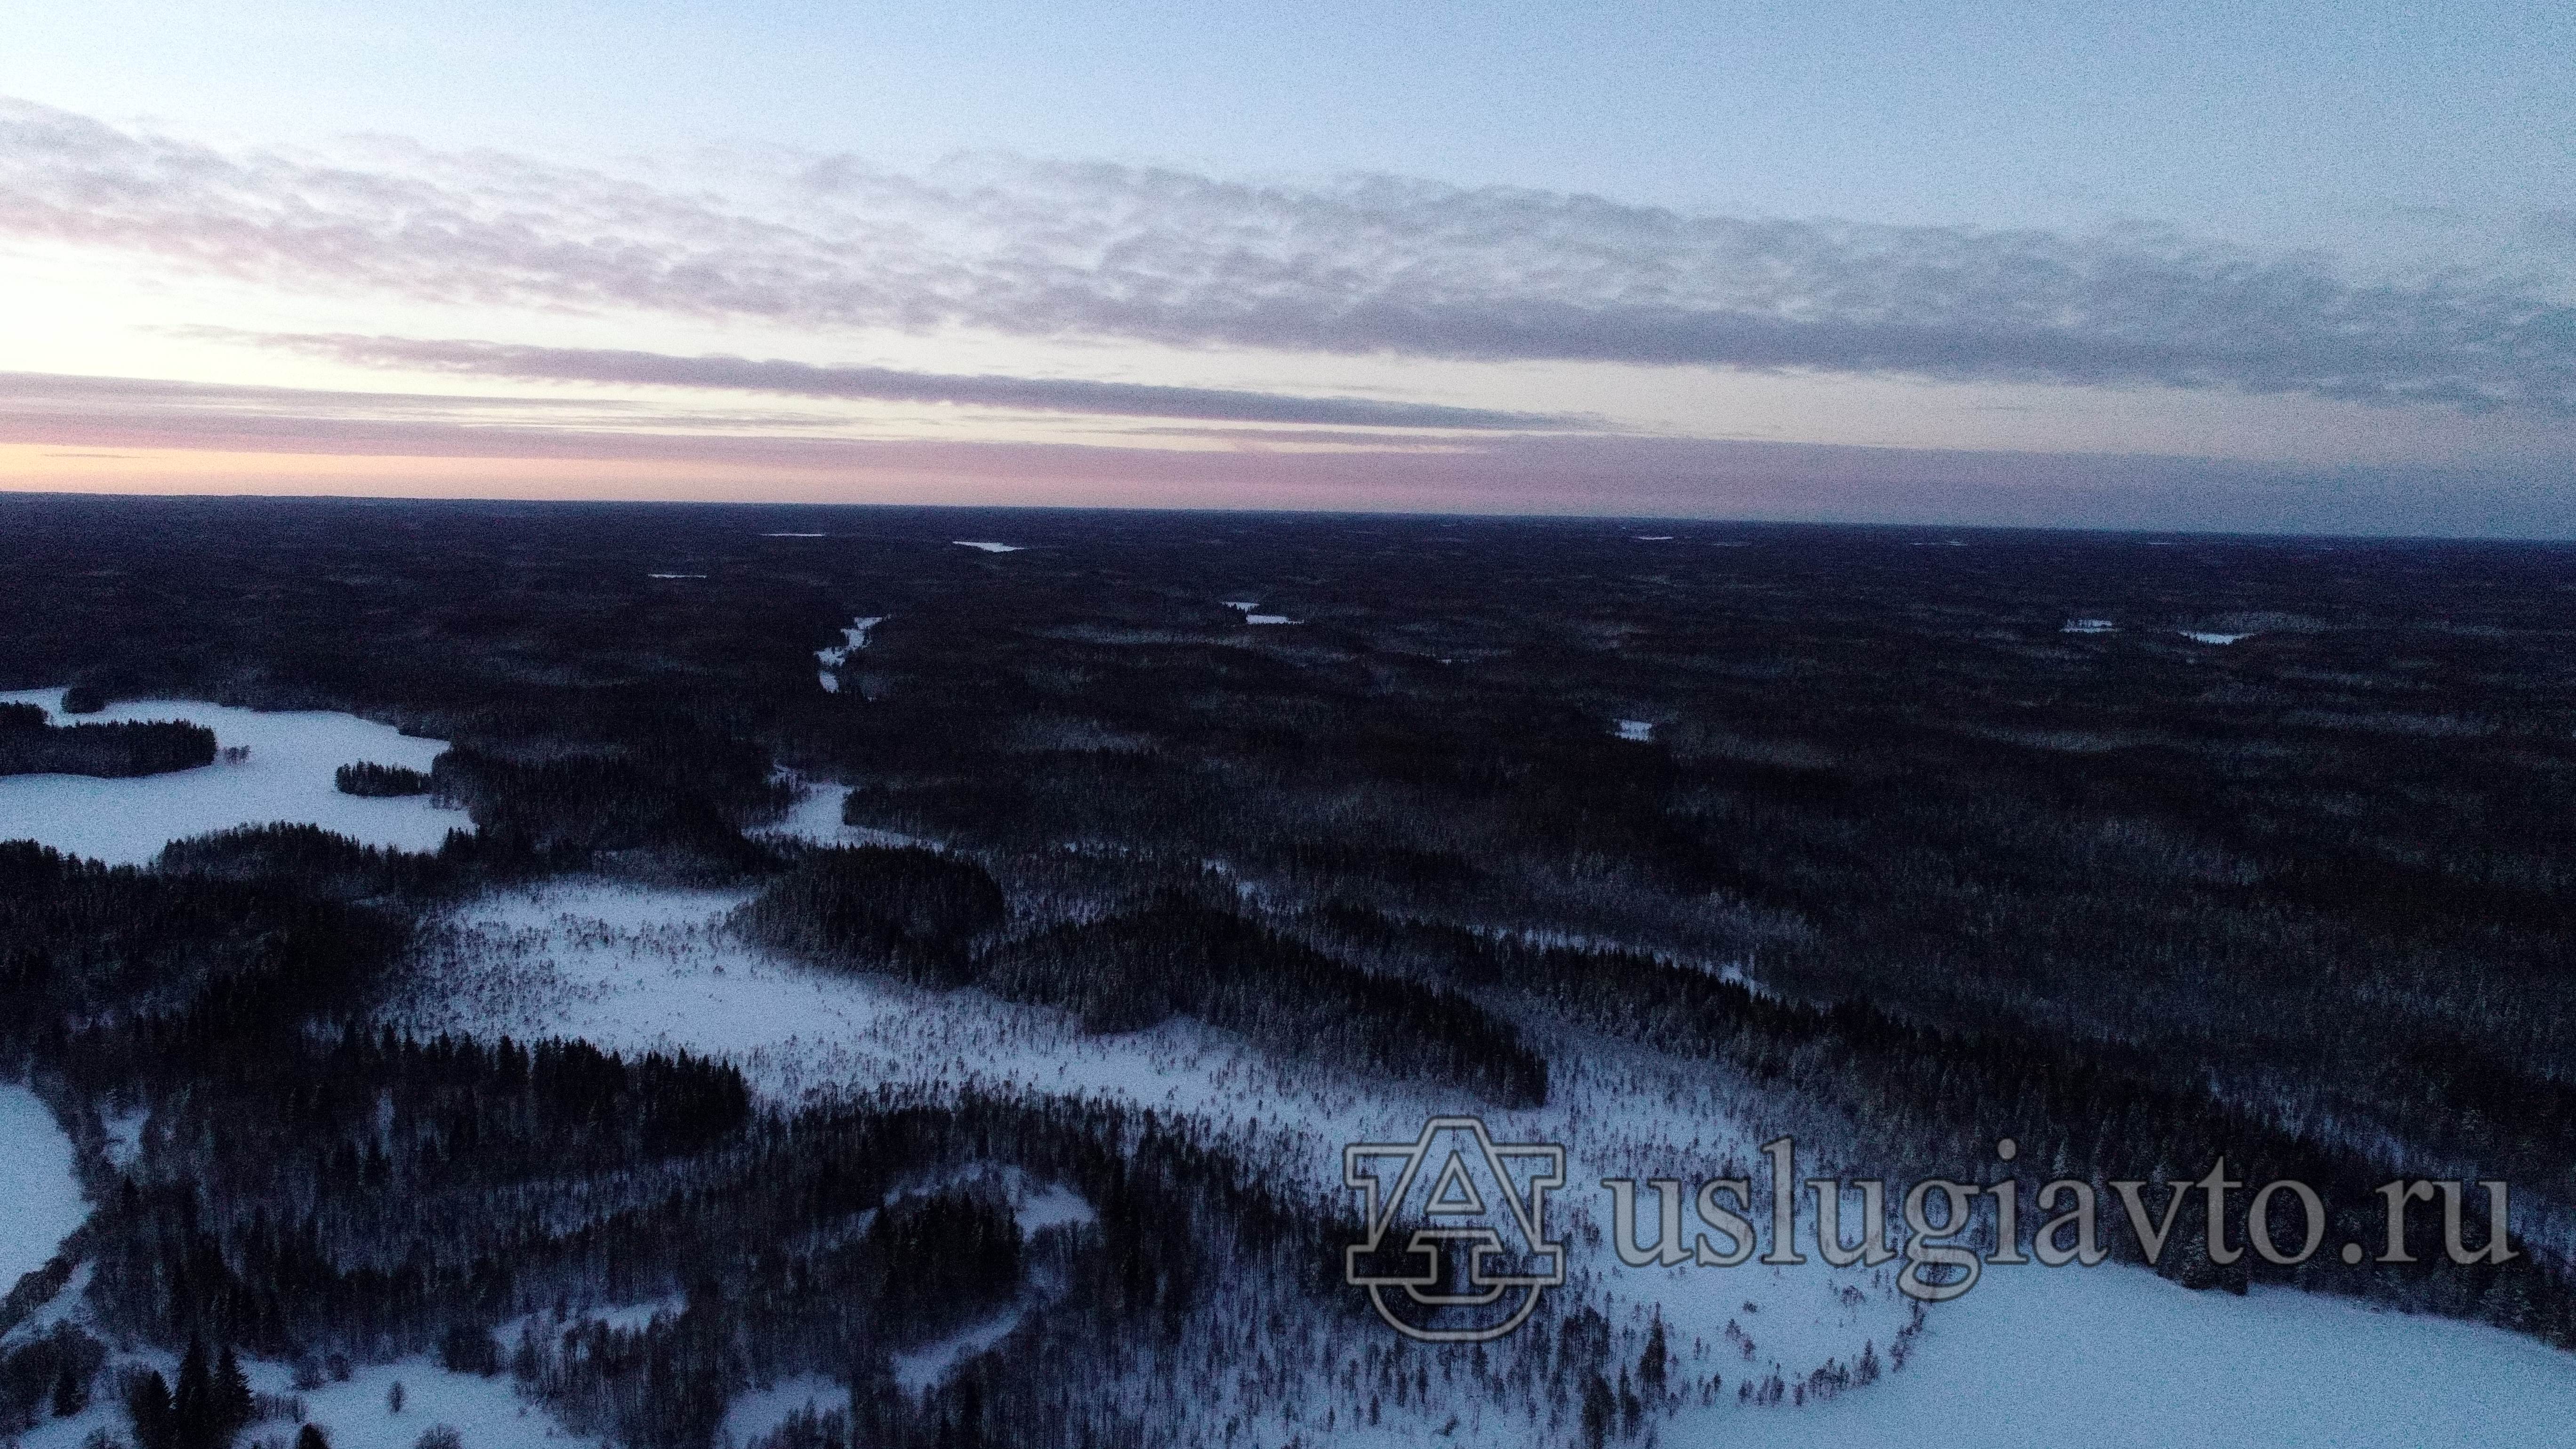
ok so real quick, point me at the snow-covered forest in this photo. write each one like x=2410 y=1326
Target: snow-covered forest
x=468 y=969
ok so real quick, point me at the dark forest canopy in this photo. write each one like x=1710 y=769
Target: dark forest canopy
x=1897 y=845
x=29 y=745
x=371 y=779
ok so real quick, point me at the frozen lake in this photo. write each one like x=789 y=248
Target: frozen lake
x=2122 y=1359
x=40 y=1200
x=287 y=778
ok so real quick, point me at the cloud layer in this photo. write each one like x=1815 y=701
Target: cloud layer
x=1367 y=264
x=880 y=384
x=540 y=450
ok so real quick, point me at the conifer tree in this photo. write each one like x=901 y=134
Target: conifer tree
x=192 y=1409
x=147 y=1406
x=231 y=1396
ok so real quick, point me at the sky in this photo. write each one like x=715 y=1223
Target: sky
x=2292 y=267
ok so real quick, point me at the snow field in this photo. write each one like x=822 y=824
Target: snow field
x=40 y=1199
x=853 y=639
x=2031 y=1356
x=486 y=1413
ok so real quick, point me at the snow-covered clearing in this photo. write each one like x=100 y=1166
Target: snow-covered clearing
x=2031 y=1356
x=987 y=545
x=124 y=1132
x=287 y=778
x=853 y=639
x=635 y=969
x=1246 y=606
x=40 y=1199
x=1037 y=1208
x=2089 y=626
x=1635 y=729
x=1036 y=1205
x=1654 y=538
x=487 y=1413
x=623 y=1317
x=2203 y=636
x=675 y=576
x=926 y=1367
x=816 y=819
x=760 y=1411
x=66 y=1306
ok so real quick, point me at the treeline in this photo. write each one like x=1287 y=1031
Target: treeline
x=315 y=862
x=50 y=1373
x=371 y=1191
x=932 y=918
x=29 y=745
x=914 y=912
x=673 y=803
x=117 y=975
x=375 y=781
x=211 y=1403
x=1178 y=956
x=923 y=1265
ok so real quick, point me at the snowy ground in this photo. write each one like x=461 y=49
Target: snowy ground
x=2105 y=1356
x=636 y=969
x=40 y=1200
x=762 y=1410
x=929 y=1367
x=1246 y=606
x=853 y=638
x=2117 y=1358
x=287 y=778
x=987 y=545
x=816 y=818
x=486 y=1413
